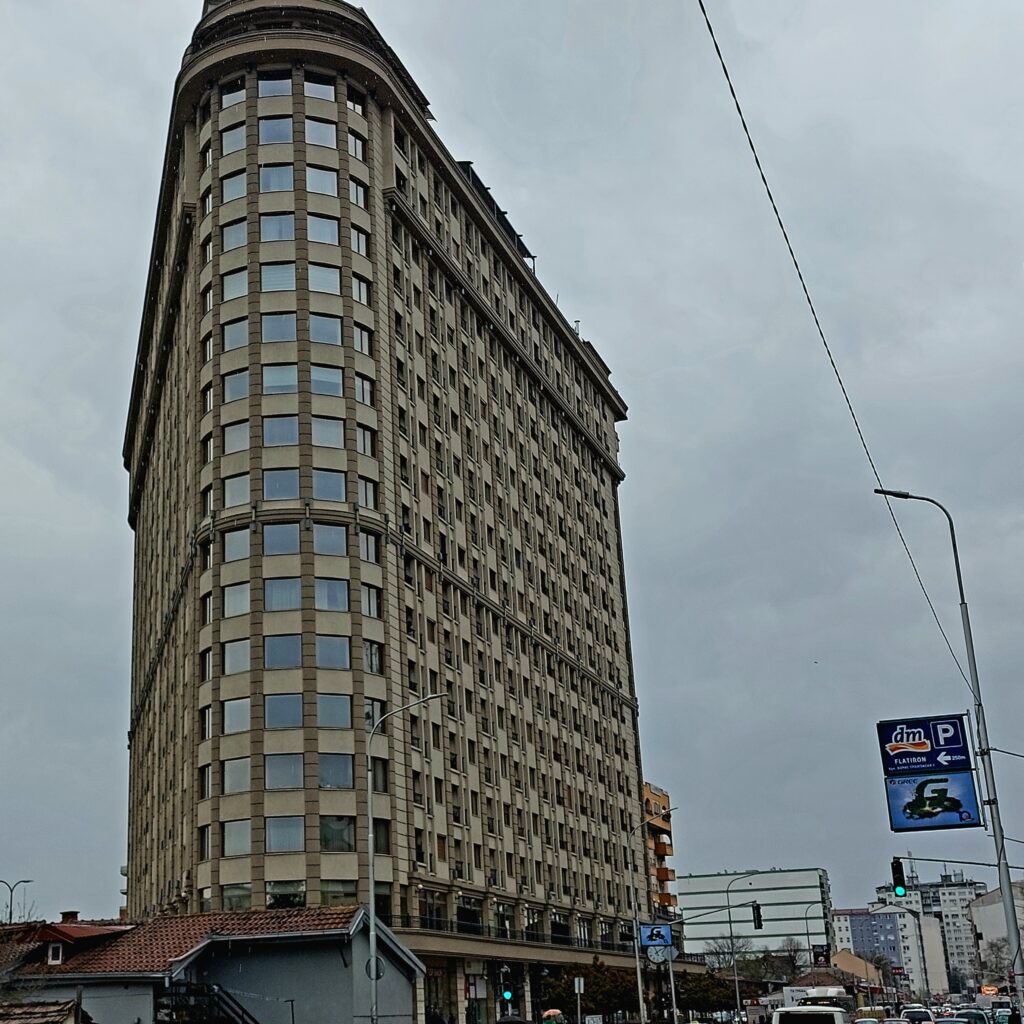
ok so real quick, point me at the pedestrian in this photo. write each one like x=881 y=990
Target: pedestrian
x=1014 y=1017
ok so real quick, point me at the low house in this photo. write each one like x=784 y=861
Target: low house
x=65 y=1012
x=298 y=966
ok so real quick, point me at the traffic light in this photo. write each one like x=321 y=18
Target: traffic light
x=755 y=909
x=899 y=881
x=506 y=984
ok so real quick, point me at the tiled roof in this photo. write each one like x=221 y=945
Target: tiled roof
x=152 y=947
x=38 y=1013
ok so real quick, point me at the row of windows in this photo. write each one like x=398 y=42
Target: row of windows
x=284 y=711
x=286 y=771
x=283 y=539
x=279 y=83
x=284 y=651
x=287 y=834
x=283 y=485
x=282 y=895
x=280 y=227
x=282 y=327
x=280 y=129
x=284 y=593
x=283 y=379
x=280 y=277
x=283 y=431
x=281 y=178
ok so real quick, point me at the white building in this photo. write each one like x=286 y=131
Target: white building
x=947 y=901
x=796 y=904
x=989 y=922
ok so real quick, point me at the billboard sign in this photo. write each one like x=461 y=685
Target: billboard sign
x=915 y=746
x=937 y=800
x=655 y=935
x=822 y=955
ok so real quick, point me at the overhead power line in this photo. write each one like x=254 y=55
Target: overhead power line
x=824 y=339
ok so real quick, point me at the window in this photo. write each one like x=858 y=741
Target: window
x=336 y=892
x=235 y=714
x=373 y=657
x=284 y=651
x=234 y=285
x=275 y=83
x=237 y=896
x=206 y=156
x=329 y=540
x=324 y=279
x=277 y=327
x=207 y=250
x=285 y=834
x=319 y=86
x=379 y=774
x=356 y=101
x=233 y=236
x=366 y=441
x=328 y=485
x=207 y=298
x=283 y=711
x=236 y=490
x=331 y=595
x=334 y=711
x=367 y=496
x=364 y=389
x=285 y=895
x=277 y=227
x=277 y=277
x=278 y=430
x=282 y=594
x=381 y=835
x=235 y=334
x=369 y=547
x=276 y=178
x=232 y=187
x=232 y=92
x=336 y=771
x=326 y=380
x=206 y=664
x=281 y=379
x=280 y=484
x=207 y=356
x=281 y=539
x=232 y=139
x=362 y=339
x=205 y=781
x=236 y=385
x=321 y=133
x=282 y=771
x=328 y=433
x=357 y=193
x=236 y=838
x=206 y=722
x=332 y=652
x=325 y=330
x=236 y=437
x=206 y=497
x=236 y=544
x=236 y=600
x=275 y=129
x=360 y=290
x=235 y=657
x=323 y=229
x=206 y=448
x=371 y=601
x=322 y=181
x=235 y=775
x=207 y=202
x=360 y=241
x=337 y=833
x=357 y=146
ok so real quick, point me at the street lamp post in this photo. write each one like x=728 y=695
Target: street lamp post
x=984 y=755
x=732 y=938
x=10 y=895
x=807 y=935
x=372 y=902
x=636 y=914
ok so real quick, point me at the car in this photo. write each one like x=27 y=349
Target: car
x=971 y=1015
x=809 y=1015
x=918 y=1015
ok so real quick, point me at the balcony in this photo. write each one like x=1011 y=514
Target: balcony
x=667 y=899
x=666 y=874
x=662 y=849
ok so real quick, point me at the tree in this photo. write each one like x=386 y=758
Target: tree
x=704 y=993
x=995 y=960
x=721 y=952
x=605 y=989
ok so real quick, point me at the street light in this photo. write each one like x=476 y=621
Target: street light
x=372 y=902
x=732 y=939
x=807 y=934
x=984 y=755
x=636 y=914
x=10 y=895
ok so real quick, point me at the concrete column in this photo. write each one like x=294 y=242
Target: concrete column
x=459 y=973
x=420 y=1009
x=527 y=994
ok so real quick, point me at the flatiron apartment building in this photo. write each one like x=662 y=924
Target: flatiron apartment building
x=369 y=460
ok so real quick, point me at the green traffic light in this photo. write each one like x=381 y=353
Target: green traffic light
x=507 y=995
x=900 y=890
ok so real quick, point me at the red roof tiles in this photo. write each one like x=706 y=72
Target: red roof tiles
x=154 y=946
x=39 y=1013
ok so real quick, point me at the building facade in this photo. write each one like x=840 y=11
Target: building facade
x=370 y=461
x=658 y=839
x=796 y=906
x=989 y=921
x=947 y=901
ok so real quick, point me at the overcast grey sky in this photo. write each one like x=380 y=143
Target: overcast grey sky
x=774 y=617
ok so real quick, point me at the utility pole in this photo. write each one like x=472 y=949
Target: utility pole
x=985 y=757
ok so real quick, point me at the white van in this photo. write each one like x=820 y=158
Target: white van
x=809 y=1015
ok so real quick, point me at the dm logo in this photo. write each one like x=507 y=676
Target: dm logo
x=913 y=740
